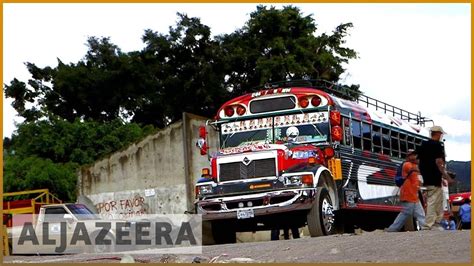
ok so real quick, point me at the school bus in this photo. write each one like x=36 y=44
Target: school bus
x=294 y=154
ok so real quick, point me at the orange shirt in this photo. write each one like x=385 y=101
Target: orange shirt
x=409 y=189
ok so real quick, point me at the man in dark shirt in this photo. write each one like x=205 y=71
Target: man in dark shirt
x=432 y=167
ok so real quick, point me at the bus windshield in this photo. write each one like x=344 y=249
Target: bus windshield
x=286 y=129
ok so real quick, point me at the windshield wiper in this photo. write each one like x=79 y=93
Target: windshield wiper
x=225 y=140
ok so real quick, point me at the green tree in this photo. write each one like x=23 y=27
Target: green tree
x=281 y=44
x=80 y=142
x=188 y=66
x=47 y=153
x=107 y=84
x=34 y=173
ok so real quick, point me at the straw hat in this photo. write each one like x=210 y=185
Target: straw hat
x=437 y=129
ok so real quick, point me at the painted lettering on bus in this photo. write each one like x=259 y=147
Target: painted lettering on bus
x=273 y=91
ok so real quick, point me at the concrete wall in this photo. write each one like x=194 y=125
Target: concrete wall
x=155 y=175
x=195 y=160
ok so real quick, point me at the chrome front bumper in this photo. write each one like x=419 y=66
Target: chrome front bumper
x=263 y=203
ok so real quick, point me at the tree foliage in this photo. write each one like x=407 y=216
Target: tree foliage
x=188 y=68
x=106 y=85
x=28 y=173
x=47 y=154
x=282 y=44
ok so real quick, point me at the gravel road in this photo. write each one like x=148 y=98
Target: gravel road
x=377 y=246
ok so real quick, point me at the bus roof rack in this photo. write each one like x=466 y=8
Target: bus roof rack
x=344 y=91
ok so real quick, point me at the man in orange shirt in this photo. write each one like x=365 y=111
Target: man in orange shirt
x=409 y=194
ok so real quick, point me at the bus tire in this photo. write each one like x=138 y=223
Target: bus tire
x=321 y=218
x=223 y=233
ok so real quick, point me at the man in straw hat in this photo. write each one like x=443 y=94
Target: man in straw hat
x=433 y=169
x=409 y=195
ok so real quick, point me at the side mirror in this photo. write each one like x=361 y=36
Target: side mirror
x=201 y=142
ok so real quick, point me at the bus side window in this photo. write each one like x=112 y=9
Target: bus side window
x=347 y=132
x=367 y=137
x=403 y=145
x=377 y=139
x=356 y=134
x=418 y=142
x=395 y=146
x=411 y=142
x=386 y=141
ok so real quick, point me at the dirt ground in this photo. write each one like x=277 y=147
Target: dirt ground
x=377 y=246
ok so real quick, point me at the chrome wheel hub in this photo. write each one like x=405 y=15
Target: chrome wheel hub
x=327 y=214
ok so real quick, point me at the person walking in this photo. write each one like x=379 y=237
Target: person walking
x=433 y=169
x=409 y=195
x=465 y=214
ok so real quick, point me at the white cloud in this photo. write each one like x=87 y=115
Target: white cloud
x=421 y=63
x=457 y=139
x=457 y=151
x=454 y=127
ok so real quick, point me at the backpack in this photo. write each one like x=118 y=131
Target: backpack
x=399 y=180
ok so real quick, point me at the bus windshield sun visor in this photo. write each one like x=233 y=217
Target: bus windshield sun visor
x=273 y=104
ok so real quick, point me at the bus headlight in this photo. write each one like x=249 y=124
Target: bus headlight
x=298 y=180
x=294 y=180
x=205 y=189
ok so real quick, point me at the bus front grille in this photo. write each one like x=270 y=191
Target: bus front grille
x=255 y=169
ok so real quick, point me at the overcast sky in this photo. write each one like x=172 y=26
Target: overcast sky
x=414 y=56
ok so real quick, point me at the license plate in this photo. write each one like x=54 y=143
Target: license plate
x=245 y=213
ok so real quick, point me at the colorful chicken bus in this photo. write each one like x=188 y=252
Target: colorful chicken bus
x=294 y=155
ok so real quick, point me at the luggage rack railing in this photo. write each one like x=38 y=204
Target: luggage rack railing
x=393 y=110
x=346 y=93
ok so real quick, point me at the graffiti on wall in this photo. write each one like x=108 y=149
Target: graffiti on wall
x=123 y=208
x=128 y=204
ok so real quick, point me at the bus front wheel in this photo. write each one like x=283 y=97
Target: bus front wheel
x=321 y=218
